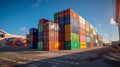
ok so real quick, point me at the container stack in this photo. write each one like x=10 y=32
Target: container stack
x=82 y=32
x=48 y=37
x=91 y=36
x=59 y=18
x=71 y=28
x=87 y=34
x=95 y=37
x=69 y=31
x=33 y=38
x=100 y=43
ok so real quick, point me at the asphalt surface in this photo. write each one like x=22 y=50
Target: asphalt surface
x=25 y=57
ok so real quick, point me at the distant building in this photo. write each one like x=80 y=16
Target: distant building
x=4 y=34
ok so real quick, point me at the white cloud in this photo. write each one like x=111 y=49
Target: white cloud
x=112 y=21
x=106 y=34
x=23 y=30
x=36 y=4
x=99 y=25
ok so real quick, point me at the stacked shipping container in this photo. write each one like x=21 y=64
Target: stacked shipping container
x=47 y=35
x=82 y=32
x=75 y=30
x=33 y=38
x=69 y=31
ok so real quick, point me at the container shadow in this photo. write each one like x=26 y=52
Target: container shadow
x=80 y=57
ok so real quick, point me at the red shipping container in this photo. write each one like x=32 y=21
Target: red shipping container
x=56 y=21
x=70 y=12
x=46 y=45
x=43 y=20
x=61 y=46
x=33 y=38
x=61 y=14
x=92 y=44
x=61 y=37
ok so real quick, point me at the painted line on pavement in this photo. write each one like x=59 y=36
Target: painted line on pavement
x=11 y=60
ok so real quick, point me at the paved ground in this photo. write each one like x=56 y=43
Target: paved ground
x=25 y=57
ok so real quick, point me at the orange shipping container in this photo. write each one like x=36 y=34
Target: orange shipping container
x=67 y=28
x=50 y=45
x=87 y=27
x=82 y=32
x=55 y=36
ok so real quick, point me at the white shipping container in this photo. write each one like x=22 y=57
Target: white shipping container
x=81 y=20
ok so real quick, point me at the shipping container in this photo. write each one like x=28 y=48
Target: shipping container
x=99 y=37
x=83 y=45
x=33 y=31
x=71 y=20
x=55 y=36
x=82 y=32
x=56 y=16
x=92 y=40
x=71 y=45
x=82 y=38
x=70 y=12
x=92 y=44
x=61 y=29
x=61 y=14
x=71 y=28
x=72 y=37
x=61 y=37
x=88 y=39
x=91 y=35
x=40 y=27
x=57 y=45
x=61 y=46
x=50 y=45
x=88 y=44
x=32 y=45
x=87 y=34
x=87 y=27
x=82 y=27
x=33 y=38
x=81 y=20
x=40 y=45
x=56 y=21
x=61 y=21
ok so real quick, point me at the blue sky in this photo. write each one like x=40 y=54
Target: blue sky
x=17 y=16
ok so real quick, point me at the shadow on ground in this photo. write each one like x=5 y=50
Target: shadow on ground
x=92 y=58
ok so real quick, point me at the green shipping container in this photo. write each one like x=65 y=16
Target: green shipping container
x=56 y=16
x=72 y=37
x=91 y=31
x=71 y=45
x=75 y=37
x=40 y=46
x=91 y=39
x=40 y=27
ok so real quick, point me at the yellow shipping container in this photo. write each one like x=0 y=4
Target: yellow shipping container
x=67 y=36
x=56 y=45
x=83 y=45
x=67 y=28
